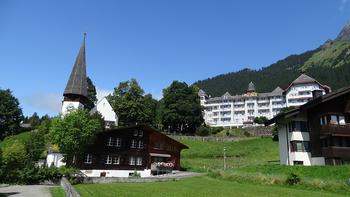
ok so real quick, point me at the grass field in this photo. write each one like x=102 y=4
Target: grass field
x=57 y=191
x=192 y=187
x=202 y=156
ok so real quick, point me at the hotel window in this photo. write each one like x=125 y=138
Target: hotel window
x=108 y=159
x=88 y=159
x=300 y=146
x=133 y=143
x=132 y=161
x=139 y=161
x=140 y=145
x=110 y=141
x=116 y=160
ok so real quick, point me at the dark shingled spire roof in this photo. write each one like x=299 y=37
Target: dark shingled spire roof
x=77 y=83
x=251 y=87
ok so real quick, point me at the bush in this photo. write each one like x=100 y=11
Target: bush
x=203 y=131
x=293 y=179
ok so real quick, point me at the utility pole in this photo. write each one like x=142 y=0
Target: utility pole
x=224 y=157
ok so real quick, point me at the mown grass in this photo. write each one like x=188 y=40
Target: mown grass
x=57 y=191
x=192 y=187
x=202 y=156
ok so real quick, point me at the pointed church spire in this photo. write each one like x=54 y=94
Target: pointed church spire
x=77 y=84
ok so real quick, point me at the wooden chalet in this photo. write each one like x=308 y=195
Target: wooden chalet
x=318 y=132
x=121 y=152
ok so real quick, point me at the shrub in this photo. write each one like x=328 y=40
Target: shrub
x=203 y=131
x=293 y=179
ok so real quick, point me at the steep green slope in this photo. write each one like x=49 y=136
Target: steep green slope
x=329 y=64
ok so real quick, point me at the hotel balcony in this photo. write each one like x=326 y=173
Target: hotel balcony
x=334 y=151
x=335 y=129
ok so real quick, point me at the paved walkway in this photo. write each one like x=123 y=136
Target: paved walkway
x=26 y=191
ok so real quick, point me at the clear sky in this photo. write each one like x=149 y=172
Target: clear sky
x=154 y=41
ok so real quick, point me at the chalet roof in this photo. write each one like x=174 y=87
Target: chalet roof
x=251 y=87
x=311 y=104
x=303 y=78
x=77 y=83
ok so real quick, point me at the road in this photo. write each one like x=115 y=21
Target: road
x=26 y=191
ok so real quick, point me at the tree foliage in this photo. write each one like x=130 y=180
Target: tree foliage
x=10 y=114
x=260 y=119
x=131 y=105
x=180 y=109
x=92 y=99
x=73 y=131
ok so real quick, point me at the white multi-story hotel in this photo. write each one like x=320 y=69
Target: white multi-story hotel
x=240 y=110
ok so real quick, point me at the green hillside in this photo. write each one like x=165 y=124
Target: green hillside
x=329 y=64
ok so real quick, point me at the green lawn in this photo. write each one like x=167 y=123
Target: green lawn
x=57 y=191
x=202 y=156
x=192 y=187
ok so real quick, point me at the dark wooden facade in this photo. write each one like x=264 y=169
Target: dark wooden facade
x=130 y=148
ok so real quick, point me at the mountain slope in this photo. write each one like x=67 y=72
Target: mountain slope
x=329 y=64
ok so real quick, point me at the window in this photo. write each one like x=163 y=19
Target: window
x=140 y=145
x=116 y=160
x=132 y=161
x=300 y=126
x=298 y=163
x=341 y=120
x=108 y=159
x=133 y=143
x=88 y=159
x=140 y=133
x=118 y=142
x=110 y=141
x=135 y=133
x=139 y=161
x=300 y=146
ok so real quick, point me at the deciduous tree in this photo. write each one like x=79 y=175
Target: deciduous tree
x=73 y=131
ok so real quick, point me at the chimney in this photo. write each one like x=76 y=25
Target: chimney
x=316 y=94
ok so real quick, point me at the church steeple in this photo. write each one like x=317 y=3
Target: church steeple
x=77 y=83
x=75 y=93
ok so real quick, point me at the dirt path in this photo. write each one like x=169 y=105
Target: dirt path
x=26 y=191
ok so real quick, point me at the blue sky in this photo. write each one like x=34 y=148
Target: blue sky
x=154 y=41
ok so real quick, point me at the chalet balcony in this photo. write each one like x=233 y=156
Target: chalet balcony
x=333 y=151
x=335 y=129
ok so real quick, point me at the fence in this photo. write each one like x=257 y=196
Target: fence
x=68 y=188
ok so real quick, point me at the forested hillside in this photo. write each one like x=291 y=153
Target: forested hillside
x=329 y=64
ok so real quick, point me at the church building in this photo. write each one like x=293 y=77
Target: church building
x=117 y=151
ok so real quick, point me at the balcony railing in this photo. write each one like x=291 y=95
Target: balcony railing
x=331 y=129
x=334 y=151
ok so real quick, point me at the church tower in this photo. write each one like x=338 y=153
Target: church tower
x=75 y=95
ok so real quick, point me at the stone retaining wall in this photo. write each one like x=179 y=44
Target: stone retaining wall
x=68 y=188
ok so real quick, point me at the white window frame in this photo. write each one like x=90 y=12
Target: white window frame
x=133 y=143
x=116 y=160
x=132 y=161
x=140 y=144
x=139 y=161
x=88 y=159
x=110 y=141
x=118 y=142
x=108 y=159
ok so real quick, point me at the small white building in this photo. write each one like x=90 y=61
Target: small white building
x=107 y=112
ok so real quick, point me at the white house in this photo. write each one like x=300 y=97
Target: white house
x=107 y=112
